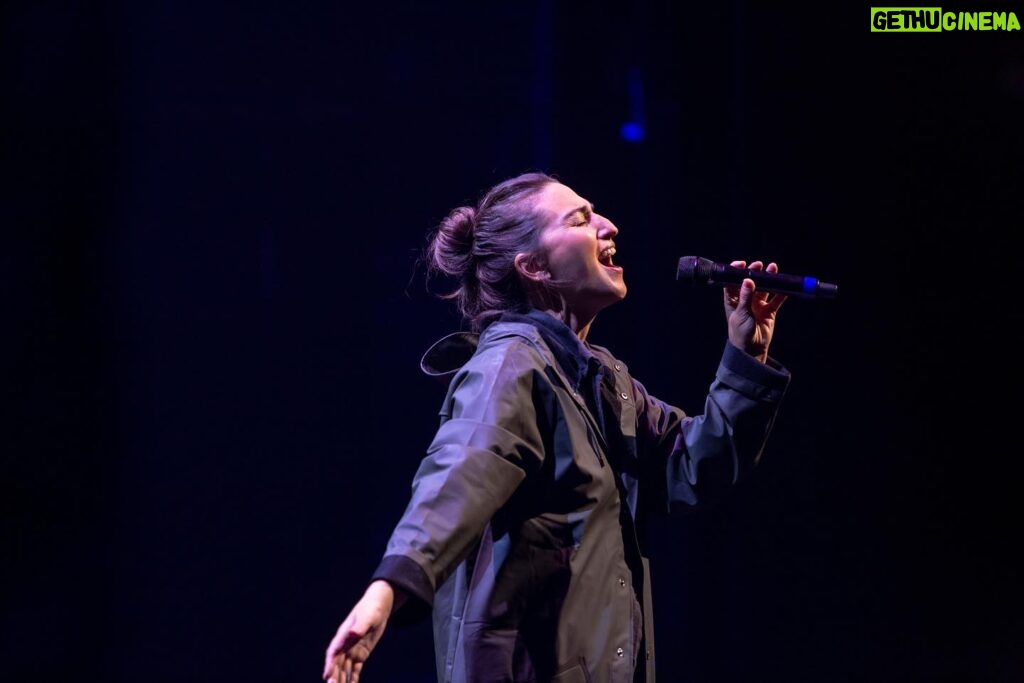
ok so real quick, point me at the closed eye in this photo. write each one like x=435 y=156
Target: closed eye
x=580 y=217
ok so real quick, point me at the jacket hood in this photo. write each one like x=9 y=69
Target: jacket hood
x=449 y=353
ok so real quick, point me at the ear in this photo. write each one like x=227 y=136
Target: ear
x=528 y=268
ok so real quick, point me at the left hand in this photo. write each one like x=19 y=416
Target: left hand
x=358 y=634
x=751 y=314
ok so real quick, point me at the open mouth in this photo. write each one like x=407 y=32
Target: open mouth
x=605 y=257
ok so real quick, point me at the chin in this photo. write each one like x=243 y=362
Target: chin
x=615 y=296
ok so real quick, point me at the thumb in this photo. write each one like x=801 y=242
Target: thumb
x=746 y=291
x=343 y=639
x=357 y=630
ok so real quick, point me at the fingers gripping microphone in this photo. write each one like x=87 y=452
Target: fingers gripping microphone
x=701 y=271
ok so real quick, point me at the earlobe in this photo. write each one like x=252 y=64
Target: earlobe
x=526 y=267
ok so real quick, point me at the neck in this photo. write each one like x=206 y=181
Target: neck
x=579 y=324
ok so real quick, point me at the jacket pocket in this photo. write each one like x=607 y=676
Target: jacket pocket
x=576 y=674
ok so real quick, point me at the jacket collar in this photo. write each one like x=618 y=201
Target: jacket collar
x=574 y=358
x=557 y=343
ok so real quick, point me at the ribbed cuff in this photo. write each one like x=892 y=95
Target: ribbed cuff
x=764 y=381
x=408 y=577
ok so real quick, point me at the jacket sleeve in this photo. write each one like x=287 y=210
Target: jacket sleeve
x=486 y=445
x=697 y=458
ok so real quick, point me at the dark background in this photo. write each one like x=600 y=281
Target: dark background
x=213 y=318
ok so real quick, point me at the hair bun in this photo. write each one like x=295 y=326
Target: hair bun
x=451 y=248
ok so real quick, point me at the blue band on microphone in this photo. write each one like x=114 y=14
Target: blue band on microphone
x=810 y=285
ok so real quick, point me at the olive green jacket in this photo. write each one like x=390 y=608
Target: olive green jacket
x=523 y=528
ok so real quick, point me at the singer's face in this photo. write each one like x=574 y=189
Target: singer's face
x=577 y=246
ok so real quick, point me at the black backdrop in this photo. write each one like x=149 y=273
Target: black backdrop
x=214 y=315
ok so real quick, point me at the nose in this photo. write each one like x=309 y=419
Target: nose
x=606 y=229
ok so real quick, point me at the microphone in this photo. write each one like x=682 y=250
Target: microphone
x=701 y=271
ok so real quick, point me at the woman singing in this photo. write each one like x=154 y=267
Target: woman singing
x=523 y=533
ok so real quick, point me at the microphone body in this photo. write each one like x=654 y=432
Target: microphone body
x=701 y=271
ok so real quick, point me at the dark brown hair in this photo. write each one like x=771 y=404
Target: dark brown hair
x=478 y=245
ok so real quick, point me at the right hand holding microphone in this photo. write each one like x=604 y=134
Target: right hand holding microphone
x=750 y=312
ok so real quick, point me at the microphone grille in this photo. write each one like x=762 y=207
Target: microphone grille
x=694 y=269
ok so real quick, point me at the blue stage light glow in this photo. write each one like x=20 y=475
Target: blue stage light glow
x=632 y=131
